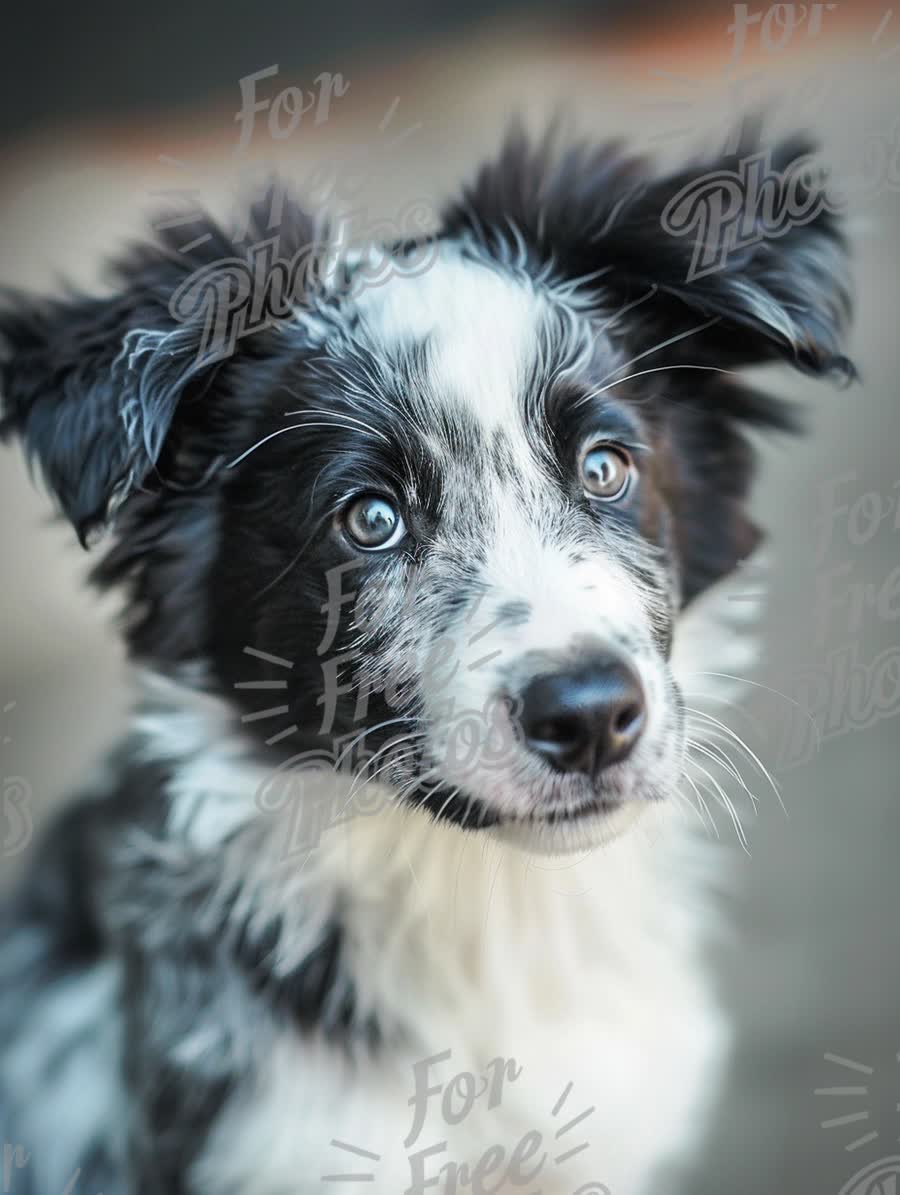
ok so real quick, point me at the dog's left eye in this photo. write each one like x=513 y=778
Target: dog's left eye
x=373 y=522
x=606 y=472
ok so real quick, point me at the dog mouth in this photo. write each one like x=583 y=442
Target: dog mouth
x=499 y=783
x=556 y=816
x=472 y=812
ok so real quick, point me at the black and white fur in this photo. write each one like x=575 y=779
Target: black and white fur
x=188 y=1007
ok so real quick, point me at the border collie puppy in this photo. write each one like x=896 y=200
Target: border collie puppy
x=452 y=528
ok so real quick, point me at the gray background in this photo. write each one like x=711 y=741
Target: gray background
x=93 y=99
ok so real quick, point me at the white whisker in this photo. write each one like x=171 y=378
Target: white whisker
x=339 y=415
x=722 y=797
x=693 y=808
x=748 y=750
x=701 y=799
x=643 y=373
x=717 y=755
x=271 y=436
x=663 y=344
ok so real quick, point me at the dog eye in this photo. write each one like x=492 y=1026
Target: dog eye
x=373 y=522
x=606 y=472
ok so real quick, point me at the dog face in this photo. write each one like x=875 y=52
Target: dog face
x=446 y=524
x=490 y=518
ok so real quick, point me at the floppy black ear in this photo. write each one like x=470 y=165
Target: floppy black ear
x=92 y=385
x=96 y=387
x=746 y=242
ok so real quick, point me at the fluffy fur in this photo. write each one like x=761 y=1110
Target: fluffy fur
x=197 y=997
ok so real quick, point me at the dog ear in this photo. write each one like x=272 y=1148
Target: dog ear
x=742 y=253
x=97 y=387
x=91 y=386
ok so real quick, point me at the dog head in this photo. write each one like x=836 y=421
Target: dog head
x=440 y=527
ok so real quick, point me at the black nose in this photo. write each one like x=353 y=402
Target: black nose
x=584 y=718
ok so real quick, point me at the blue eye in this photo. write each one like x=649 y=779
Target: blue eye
x=373 y=523
x=606 y=472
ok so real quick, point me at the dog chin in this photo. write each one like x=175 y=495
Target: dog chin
x=563 y=834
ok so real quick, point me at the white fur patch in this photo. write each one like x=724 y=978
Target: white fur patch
x=582 y=970
x=483 y=325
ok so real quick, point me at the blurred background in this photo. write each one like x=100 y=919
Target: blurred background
x=109 y=109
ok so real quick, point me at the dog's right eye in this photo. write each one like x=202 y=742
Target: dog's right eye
x=373 y=523
x=606 y=470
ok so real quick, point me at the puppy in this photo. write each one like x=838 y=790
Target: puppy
x=391 y=880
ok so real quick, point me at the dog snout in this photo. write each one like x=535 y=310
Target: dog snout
x=585 y=717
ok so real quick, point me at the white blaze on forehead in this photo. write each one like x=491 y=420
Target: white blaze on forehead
x=482 y=325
